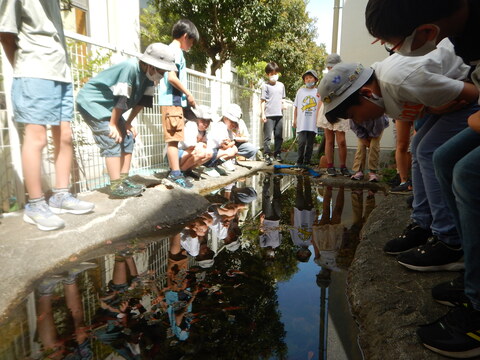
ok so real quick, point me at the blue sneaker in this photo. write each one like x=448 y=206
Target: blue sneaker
x=65 y=202
x=39 y=214
x=180 y=180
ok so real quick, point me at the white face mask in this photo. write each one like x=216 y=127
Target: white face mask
x=156 y=77
x=273 y=78
x=377 y=100
x=406 y=48
x=310 y=85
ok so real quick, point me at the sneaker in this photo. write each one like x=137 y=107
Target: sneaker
x=451 y=293
x=221 y=170
x=278 y=157
x=191 y=174
x=228 y=166
x=268 y=159
x=40 y=214
x=123 y=190
x=457 y=334
x=345 y=172
x=331 y=171
x=297 y=164
x=395 y=181
x=133 y=184
x=435 y=255
x=412 y=236
x=65 y=202
x=404 y=188
x=180 y=180
x=409 y=202
x=357 y=176
x=211 y=172
x=48 y=284
x=78 y=269
x=372 y=177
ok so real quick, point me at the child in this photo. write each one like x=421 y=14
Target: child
x=369 y=135
x=305 y=115
x=401 y=87
x=271 y=114
x=193 y=150
x=104 y=99
x=220 y=140
x=32 y=37
x=174 y=96
x=334 y=132
x=241 y=136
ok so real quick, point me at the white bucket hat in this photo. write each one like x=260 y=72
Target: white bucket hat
x=160 y=56
x=233 y=112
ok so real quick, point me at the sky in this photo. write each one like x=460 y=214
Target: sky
x=323 y=11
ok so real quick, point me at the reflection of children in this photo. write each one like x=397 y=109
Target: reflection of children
x=271 y=236
x=360 y=215
x=369 y=135
x=305 y=115
x=106 y=97
x=302 y=218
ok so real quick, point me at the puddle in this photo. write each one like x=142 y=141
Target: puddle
x=262 y=274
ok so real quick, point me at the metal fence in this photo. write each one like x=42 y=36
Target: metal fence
x=88 y=172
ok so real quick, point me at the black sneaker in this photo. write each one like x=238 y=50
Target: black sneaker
x=268 y=159
x=331 y=171
x=395 y=180
x=191 y=174
x=412 y=236
x=403 y=188
x=435 y=255
x=409 y=202
x=457 y=334
x=220 y=170
x=278 y=157
x=451 y=293
x=345 y=172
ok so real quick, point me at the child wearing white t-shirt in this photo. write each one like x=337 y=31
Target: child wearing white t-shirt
x=306 y=105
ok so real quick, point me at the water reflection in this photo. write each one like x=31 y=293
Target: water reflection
x=237 y=282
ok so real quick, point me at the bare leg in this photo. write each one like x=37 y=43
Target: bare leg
x=126 y=160
x=329 y=145
x=63 y=152
x=172 y=155
x=114 y=165
x=35 y=139
x=46 y=326
x=342 y=147
x=74 y=304
x=403 y=158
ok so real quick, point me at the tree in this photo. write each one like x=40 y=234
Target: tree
x=228 y=28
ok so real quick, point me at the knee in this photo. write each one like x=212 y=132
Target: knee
x=342 y=143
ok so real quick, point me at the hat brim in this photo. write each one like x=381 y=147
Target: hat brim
x=357 y=84
x=150 y=60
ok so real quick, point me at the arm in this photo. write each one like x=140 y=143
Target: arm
x=295 y=117
x=173 y=79
x=9 y=44
x=114 y=131
x=133 y=115
x=263 y=118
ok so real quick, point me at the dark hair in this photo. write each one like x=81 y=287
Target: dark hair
x=340 y=112
x=386 y=19
x=185 y=26
x=271 y=67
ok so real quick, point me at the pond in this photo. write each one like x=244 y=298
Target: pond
x=261 y=275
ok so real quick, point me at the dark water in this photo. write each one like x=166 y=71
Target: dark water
x=265 y=279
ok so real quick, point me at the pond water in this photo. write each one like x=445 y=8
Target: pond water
x=261 y=275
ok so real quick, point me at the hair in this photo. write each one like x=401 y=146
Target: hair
x=272 y=67
x=386 y=19
x=185 y=26
x=340 y=112
x=303 y=254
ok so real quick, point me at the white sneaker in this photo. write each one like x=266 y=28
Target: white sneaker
x=211 y=172
x=39 y=214
x=65 y=202
x=229 y=165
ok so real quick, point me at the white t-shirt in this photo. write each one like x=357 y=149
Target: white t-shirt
x=410 y=83
x=190 y=244
x=42 y=51
x=306 y=103
x=301 y=232
x=217 y=133
x=190 y=133
x=271 y=236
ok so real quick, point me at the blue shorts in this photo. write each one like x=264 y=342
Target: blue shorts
x=213 y=160
x=180 y=153
x=100 y=129
x=41 y=102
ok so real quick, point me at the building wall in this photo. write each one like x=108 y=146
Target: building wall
x=356 y=46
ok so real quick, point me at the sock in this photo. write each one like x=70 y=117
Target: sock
x=37 y=200
x=175 y=173
x=123 y=176
x=329 y=165
x=343 y=166
x=115 y=183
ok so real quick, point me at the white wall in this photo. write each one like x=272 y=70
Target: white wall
x=355 y=46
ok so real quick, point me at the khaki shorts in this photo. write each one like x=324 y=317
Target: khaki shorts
x=172 y=123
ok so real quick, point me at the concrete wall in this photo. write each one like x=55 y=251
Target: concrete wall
x=355 y=46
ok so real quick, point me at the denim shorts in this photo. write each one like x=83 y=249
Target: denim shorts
x=100 y=129
x=41 y=101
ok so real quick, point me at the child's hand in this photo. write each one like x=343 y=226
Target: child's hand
x=115 y=133
x=263 y=118
x=474 y=121
x=191 y=100
x=131 y=129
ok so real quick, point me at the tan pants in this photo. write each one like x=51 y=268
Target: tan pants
x=373 y=155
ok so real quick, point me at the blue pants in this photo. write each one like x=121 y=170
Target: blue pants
x=246 y=149
x=430 y=210
x=458 y=172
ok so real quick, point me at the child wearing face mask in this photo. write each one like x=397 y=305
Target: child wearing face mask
x=307 y=104
x=104 y=99
x=271 y=108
